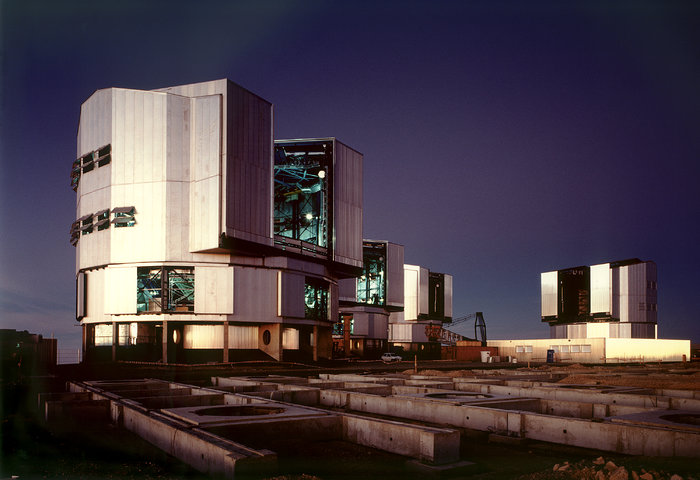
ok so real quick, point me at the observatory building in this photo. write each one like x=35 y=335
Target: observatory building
x=199 y=238
x=391 y=302
x=603 y=313
x=614 y=300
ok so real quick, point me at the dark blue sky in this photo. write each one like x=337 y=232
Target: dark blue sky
x=500 y=139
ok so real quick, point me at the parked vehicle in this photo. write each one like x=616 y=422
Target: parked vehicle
x=391 y=357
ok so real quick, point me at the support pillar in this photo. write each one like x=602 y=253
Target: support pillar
x=225 y=356
x=165 y=341
x=314 y=347
x=115 y=340
x=85 y=339
x=347 y=325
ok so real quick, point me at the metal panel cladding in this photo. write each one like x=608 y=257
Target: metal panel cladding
x=395 y=273
x=347 y=205
x=411 y=291
x=601 y=289
x=448 y=297
x=549 y=281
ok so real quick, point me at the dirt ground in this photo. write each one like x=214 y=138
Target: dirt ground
x=674 y=376
x=30 y=451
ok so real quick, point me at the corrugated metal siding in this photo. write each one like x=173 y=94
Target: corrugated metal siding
x=248 y=186
x=400 y=332
x=394 y=275
x=205 y=173
x=578 y=330
x=139 y=174
x=347 y=205
x=242 y=337
x=423 y=292
x=80 y=292
x=411 y=290
x=557 y=331
x=255 y=293
x=598 y=330
x=290 y=339
x=418 y=333
x=203 y=336
x=651 y=293
x=601 y=288
x=292 y=299
x=334 y=309
x=548 y=281
x=120 y=290
x=94 y=131
x=448 y=295
x=361 y=323
x=95 y=296
x=378 y=325
x=347 y=289
x=213 y=289
x=637 y=299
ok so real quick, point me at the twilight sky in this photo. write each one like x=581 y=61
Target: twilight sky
x=500 y=139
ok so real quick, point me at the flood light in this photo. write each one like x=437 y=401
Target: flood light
x=322 y=174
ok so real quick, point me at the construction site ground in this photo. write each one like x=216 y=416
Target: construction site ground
x=30 y=450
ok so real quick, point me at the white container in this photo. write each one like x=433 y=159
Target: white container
x=485 y=355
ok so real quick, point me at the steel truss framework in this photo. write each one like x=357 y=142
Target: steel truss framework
x=174 y=284
x=301 y=192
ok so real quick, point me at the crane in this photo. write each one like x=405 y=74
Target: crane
x=436 y=332
x=479 y=325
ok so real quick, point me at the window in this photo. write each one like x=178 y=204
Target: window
x=165 y=289
x=519 y=349
x=339 y=326
x=371 y=285
x=103 y=334
x=74 y=233
x=104 y=155
x=575 y=348
x=316 y=299
x=585 y=349
x=88 y=162
x=564 y=349
x=102 y=220
x=86 y=224
x=75 y=175
x=528 y=348
x=555 y=348
x=124 y=217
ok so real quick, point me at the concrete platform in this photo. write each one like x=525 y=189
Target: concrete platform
x=675 y=419
x=203 y=416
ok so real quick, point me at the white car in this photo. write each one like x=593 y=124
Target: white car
x=391 y=357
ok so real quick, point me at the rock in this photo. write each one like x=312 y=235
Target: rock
x=676 y=477
x=635 y=476
x=646 y=476
x=620 y=473
x=599 y=461
x=556 y=467
x=600 y=475
x=610 y=466
x=563 y=468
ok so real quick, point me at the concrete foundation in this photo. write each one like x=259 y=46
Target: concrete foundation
x=233 y=426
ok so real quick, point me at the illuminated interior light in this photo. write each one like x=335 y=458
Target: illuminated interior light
x=322 y=174
x=309 y=216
